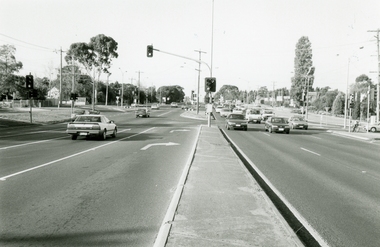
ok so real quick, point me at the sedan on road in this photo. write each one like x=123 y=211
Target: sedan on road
x=277 y=124
x=298 y=122
x=225 y=112
x=155 y=106
x=373 y=127
x=142 y=113
x=236 y=121
x=91 y=125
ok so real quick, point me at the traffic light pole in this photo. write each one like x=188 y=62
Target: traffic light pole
x=150 y=54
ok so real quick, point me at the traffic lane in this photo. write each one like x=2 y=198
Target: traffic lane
x=43 y=148
x=21 y=152
x=117 y=195
x=331 y=197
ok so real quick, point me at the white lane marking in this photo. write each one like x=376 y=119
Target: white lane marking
x=164 y=113
x=179 y=130
x=304 y=149
x=30 y=143
x=70 y=156
x=316 y=137
x=265 y=133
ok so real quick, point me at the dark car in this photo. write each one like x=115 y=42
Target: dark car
x=142 y=113
x=236 y=121
x=277 y=124
x=298 y=122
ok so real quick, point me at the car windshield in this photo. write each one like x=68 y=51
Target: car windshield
x=236 y=116
x=255 y=111
x=278 y=120
x=268 y=111
x=298 y=119
x=88 y=119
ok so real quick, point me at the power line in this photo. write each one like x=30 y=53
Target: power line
x=27 y=42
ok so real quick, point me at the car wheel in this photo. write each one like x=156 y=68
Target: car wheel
x=246 y=128
x=103 y=135
x=114 y=133
x=270 y=129
x=305 y=128
x=373 y=129
x=287 y=132
x=74 y=137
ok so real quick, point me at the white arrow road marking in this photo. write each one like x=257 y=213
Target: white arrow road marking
x=159 y=144
x=179 y=130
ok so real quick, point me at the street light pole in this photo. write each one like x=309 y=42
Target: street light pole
x=199 y=77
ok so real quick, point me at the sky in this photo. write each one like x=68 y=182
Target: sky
x=246 y=43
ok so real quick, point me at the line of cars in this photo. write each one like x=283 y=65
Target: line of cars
x=238 y=118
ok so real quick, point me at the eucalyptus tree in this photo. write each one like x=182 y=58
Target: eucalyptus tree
x=302 y=64
x=9 y=82
x=96 y=56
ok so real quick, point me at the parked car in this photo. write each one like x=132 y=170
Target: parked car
x=225 y=112
x=142 y=113
x=298 y=122
x=155 y=106
x=91 y=125
x=236 y=121
x=253 y=115
x=373 y=127
x=277 y=124
x=173 y=105
x=266 y=113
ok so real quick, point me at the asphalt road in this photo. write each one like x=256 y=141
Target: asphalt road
x=58 y=192
x=333 y=182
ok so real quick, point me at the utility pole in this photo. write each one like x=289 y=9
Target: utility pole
x=378 y=74
x=60 y=82
x=138 y=88
x=199 y=76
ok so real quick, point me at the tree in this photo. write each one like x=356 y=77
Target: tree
x=170 y=93
x=227 y=92
x=96 y=56
x=9 y=83
x=338 y=104
x=302 y=63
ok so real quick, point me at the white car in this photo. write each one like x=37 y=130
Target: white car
x=91 y=125
x=372 y=127
x=155 y=106
x=218 y=108
x=267 y=113
x=253 y=115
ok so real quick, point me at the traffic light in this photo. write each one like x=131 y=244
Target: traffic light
x=149 y=51
x=351 y=98
x=210 y=84
x=29 y=82
x=74 y=96
x=32 y=93
x=375 y=94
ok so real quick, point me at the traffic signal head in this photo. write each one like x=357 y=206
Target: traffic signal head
x=149 y=51
x=210 y=84
x=29 y=82
x=351 y=97
x=74 y=96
